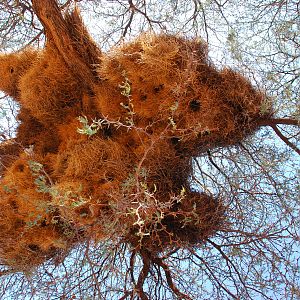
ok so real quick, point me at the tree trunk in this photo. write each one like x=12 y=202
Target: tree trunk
x=58 y=31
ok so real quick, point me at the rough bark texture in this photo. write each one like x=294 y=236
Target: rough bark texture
x=56 y=29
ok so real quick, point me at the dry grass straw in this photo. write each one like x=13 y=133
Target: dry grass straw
x=9 y=152
x=151 y=59
x=95 y=159
x=240 y=94
x=21 y=190
x=34 y=136
x=198 y=216
x=27 y=248
x=27 y=236
x=68 y=134
x=152 y=65
x=29 y=128
x=108 y=101
x=49 y=89
x=32 y=230
x=12 y=67
x=19 y=173
x=166 y=169
x=83 y=42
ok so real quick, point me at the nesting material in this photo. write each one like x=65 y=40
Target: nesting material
x=122 y=170
x=60 y=89
x=12 y=67
x=83 y=42
x=28 y=229
x=95 y=158
x=153 y=67
x=178 y=220
x=26 y=248
x=9 y=152
x=168 y=84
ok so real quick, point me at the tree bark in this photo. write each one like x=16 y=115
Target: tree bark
x=57 y=31
x=277 y=121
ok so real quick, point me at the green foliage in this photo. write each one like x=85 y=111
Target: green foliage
x=133 y=179
x=126 y=91
x=37 y=220
x=125 y=87
x=59 y=196
x=40 y=175
x=7 y=188
x=86 y=128
x=35 y=167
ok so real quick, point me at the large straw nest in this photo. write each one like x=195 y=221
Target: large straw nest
x=173 y=85
x=161 y=102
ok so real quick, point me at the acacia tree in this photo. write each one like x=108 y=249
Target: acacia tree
x=255 y=253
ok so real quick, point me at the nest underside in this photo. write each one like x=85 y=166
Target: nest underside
x=122 y=171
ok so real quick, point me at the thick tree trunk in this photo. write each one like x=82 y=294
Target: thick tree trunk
x=58 y=31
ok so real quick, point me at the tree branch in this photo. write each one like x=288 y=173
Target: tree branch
x=212 y=274
x=285 y=139
x=169 y=278
x=276 y=121
x=143 y=275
